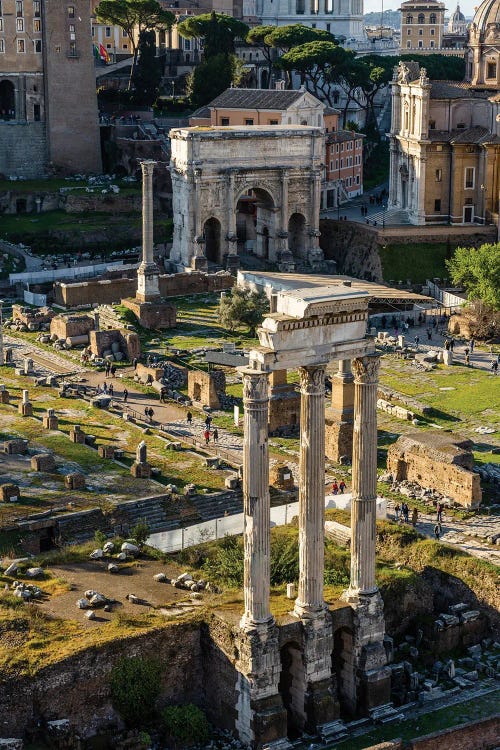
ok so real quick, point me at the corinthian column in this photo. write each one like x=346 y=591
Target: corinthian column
x=364 y=476
x=309 y=602
x=147 y=211
x=256 y=500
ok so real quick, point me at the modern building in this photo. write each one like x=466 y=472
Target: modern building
x=422 y=25
x=112 y=37
x=445 y=136
x=343 y=154
x=48 y=103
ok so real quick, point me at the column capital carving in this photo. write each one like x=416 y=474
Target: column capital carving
x=366 y=369
x=147 y=167
x=255 y=386
x=312 y=380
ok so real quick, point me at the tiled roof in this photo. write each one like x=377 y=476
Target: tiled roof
x=455 y=90
x=340 y=136
x=256 y=99
x=470 y=135
x=202 y=112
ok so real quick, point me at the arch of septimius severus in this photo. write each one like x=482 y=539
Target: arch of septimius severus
x=308 y=329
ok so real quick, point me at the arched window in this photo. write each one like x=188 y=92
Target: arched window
x=432 y=18
x=421 y=18
x=409 y=19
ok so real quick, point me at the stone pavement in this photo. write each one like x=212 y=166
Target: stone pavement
x=376 y=213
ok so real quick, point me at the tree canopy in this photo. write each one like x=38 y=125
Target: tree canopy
x=478 y=270
x=147 y=73
x=134 y=17
x=285 y=38
x=439 y=67
x=211 y=77
x=217 y=30
x=243 y=307
x=318 y=63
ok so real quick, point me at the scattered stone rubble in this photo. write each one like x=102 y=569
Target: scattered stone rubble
x=186 y=581
x=489 y=473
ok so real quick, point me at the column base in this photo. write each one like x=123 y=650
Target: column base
x=372 y=676
x=232 y=263
x=199 y=263
x=261 y=716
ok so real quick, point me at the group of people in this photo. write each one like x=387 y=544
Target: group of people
x=110 y=370
x=402 y=513
x=208 y=432
x=338 y=487
x=106 y=389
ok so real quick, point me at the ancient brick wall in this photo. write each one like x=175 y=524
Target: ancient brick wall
x=74 y=325
x=444 y=468
x=194 y=283
x=478 y=735
x=101 y=341
x=220 y=676
x=78 y=689
x=201 y=388
x=24 y=149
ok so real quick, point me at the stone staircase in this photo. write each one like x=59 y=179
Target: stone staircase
x=80 y=527
x=332 y=731
x=217 y=504
x=385 y=714
x=153 y=511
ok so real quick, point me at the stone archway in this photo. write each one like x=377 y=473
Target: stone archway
x=255 y=221
x=297 y=243
x=292 y=688
x=275 y=168
x=212 y=235
x=7 y=100
x=343 y=668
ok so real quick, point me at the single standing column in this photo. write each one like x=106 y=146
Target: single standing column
x=309 y=602
x=147 y=211
x=256 y=500
x=364 y=475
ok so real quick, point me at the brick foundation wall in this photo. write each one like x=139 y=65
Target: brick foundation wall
x=478 y=735
x=24 y=149
x=79 y=325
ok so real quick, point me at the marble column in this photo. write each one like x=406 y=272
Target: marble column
x=148 y=289
x=309 y=602
x=256 y=500
x=364 y=475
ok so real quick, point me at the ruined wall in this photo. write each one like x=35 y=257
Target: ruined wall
x=74 y=325
x=478 y=735
x=101 y=341
x=202 y=388
x=107 y=291
x=77 y=688
x=220 y=676
x=443 y=467
x=353 y=247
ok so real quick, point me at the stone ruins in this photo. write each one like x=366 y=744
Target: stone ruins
x=308 y=329
x=222 y=175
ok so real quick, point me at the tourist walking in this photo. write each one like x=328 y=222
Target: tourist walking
x=105 y=388
x=189 y=418
x=342 y=486
x=414 y=517
x=494 y=367
x=206 y=435
x=439 y=509
x=437 y=531
x=397 y=510
x=452 y=344
x=417 y=341
x=125 y=395
x=215 y=434
x=107 y=368
x=471 y=345
x=208 y=421
x=113 y=370
x=111 y=389
x=134 y=363
x=335 y=487
x=150 y=415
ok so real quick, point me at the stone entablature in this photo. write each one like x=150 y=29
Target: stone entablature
x=214 y=168
x=442 y=462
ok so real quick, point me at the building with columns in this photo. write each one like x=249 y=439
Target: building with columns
x=445 y=135
x=48 y=101
x=306 y=329
x=343 y=18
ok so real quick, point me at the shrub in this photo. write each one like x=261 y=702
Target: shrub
x=140 y=532
x=100 y=538
x=135 y=686
x=185 y=726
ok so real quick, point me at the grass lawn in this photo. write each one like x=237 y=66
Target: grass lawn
x=415 y=261
x=53 y=185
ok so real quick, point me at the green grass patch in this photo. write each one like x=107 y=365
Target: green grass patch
x=415 y=261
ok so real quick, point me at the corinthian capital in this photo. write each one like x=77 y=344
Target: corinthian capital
x=366 y=369
x=255 y=386
x=312 y=380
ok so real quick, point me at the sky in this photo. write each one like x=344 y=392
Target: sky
x=466 y=6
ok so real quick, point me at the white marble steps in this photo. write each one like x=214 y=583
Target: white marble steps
x=332 y=731
x=385 y=714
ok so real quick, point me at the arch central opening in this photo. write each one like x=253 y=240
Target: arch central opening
x=212 y=234
x=297 y=235
x=7 y=101
x=255 y=223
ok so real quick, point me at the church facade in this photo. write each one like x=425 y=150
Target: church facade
x=445 y=135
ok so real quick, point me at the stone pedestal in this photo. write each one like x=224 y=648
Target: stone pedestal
x=74 y=481
x=28 y=366
x=141 y=469
x=261 y=716
x=9 y=493
x=43 y=462
x=371 y=675
x=106 y=451
x=199 y=263
x=4 y=395
x=447 y=357
x=50 y=420
x=339 y=418
x=232 y=263
x=25 y=408
x=77 y=435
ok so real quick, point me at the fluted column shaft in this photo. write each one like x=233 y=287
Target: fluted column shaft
x=147 y=210
x=364 y=475
x=311 y=492
x=256 y=500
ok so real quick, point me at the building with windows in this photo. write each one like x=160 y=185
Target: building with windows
x=422 y=26
x=343 y=18
x=343 y=149
x=48 y=103
x=445 y=136
x=113 y=38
